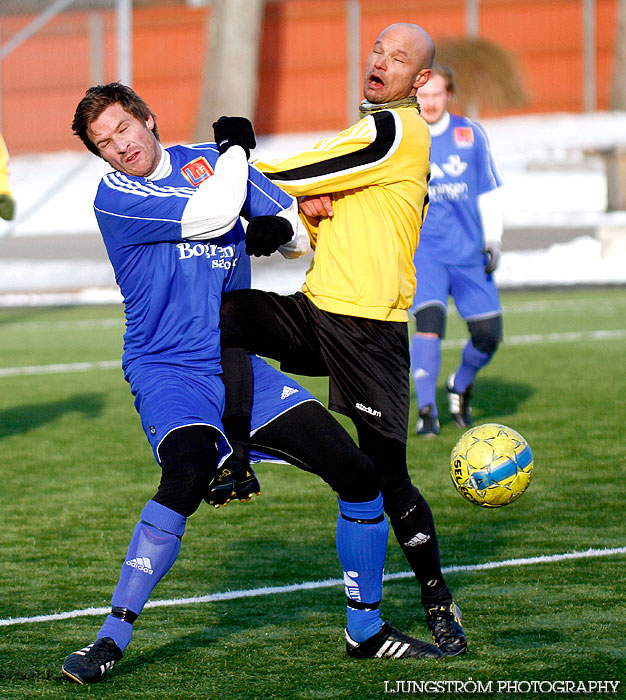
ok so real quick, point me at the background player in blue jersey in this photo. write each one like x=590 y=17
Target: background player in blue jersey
x=458 y=251
x=170 y=220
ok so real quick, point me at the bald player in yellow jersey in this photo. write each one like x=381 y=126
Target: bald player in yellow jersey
x=376 y=175
x=350 y=320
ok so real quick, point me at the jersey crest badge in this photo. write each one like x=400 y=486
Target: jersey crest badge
x=463 y=136
x=197 y=171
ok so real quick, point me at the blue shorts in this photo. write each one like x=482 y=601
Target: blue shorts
x=474 y=292
x=274 y=394
x=168 y=397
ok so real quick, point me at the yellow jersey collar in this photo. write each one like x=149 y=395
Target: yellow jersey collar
x=366 y=107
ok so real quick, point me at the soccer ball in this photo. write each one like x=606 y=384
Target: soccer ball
x=491 y=465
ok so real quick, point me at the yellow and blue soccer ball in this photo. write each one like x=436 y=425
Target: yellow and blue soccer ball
x=491 y=465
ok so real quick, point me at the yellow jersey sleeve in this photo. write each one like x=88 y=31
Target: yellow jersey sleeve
x=357 y=157
x=4 y=168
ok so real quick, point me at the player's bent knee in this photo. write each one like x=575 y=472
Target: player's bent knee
x=431 y=319
x=399 y=497
x=308 y=437
x=188 y=463
x=357 y=481
x=486 y=334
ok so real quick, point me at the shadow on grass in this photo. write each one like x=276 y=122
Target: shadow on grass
x=528 y=638
x=21 y=419
x=491 y=400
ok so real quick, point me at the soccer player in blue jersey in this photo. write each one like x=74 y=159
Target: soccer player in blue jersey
x=458 y=251
x=170 y=220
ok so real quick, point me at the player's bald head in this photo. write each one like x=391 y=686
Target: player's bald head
x=417 y=41
x=398 y=64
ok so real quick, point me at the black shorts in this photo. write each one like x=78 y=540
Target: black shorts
x=367 y=361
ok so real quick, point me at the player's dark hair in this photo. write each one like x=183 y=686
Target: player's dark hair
x=447 y=74
x=97 y=99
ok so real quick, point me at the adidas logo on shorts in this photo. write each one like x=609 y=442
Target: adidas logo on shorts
x=287 y=392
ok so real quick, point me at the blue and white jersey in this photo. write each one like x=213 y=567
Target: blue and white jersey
x=461 y=168
x=172 y=287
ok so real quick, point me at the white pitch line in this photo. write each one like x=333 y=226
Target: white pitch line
x=310 y=585
x=539 y=338
x=60 y=368
x=69 y=324
x=508 y=308
x=532 y=339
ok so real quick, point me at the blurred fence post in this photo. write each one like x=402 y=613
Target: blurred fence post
x=353 y=73
x=589 y=54
x=472 y=18
x=472 y=27
x=615 y=162
x=125 y=41
x=96 y=41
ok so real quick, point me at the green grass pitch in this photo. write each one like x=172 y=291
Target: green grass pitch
x=76 y=470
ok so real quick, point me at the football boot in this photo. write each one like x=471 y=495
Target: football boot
x=459 y=404
x=88 y=665
x=427 y=423
x=232 y=481
x=444 y=621
x=388 y=642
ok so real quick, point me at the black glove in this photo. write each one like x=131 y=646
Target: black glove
x=7 y=207
x=493 y=251
x=233 y=481
x=234 y=131
x=265 y=234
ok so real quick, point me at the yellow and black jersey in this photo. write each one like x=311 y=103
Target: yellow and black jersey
x=376 y=173
x=4 y=169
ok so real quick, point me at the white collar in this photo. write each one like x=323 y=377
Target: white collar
x=164 y=168
x=440 y=125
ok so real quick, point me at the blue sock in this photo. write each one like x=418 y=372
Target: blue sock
x=471 y=361
x=362 y=547
x=153 y=549
x=425 y=367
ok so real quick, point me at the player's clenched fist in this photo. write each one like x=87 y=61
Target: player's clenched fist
x=265 y=234
x=234 y=131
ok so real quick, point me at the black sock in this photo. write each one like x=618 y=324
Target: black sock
x=415 y=531
x=238 y=383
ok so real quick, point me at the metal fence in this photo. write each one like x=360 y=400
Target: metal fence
x=45 y=53
x=311 y=57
